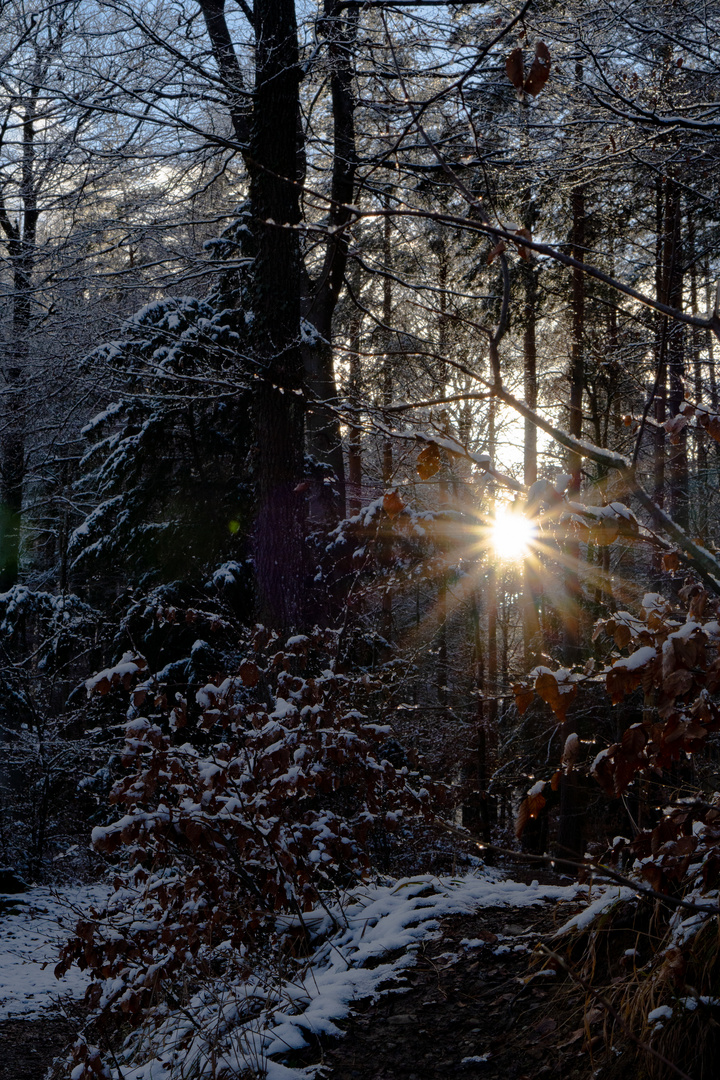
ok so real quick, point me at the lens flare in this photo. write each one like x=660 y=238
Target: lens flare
x=512 y=535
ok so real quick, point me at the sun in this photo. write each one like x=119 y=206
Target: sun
x=512 y=535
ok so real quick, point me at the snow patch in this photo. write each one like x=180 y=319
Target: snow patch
x=33 y=927
x=371 y=938
x=609 y=896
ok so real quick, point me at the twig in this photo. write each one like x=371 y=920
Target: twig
x=643 y=891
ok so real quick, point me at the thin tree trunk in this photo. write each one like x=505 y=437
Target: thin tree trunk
x=492 y=616
x=324 y=437
x=355 y=433
x=387 y=311
x=532 y=643
x=443 y=489
x=701 y=450
x=678 y=461
x=573 y=595
x=387 y=395
x=20 y=242
x=569 y=838
x=663 y=262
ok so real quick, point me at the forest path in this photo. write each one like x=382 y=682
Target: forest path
x=478 y=1005
x=28 y=1047
x=39 y=1016
x=479 y=1000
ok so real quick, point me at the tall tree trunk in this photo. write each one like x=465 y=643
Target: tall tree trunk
x=532 y=645
x=318 y=298
x=569 y=834
x=355 y=433
x=572 y=599
x=663 y=261
x=444 y=478
x=491 y=606
x=701 y=450
x=387 y=314
x=21 y=242
x=12 y=439
x=323 y=424
x=279 y=409
x=677 y=466
x=474 y=811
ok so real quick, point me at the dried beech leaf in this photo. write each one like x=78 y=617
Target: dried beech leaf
x=526 y=235
x=546 y=686
x=712 y=425
x=514 y=68
x=392 y=504
x=249 y=673
x=678 y=683
x=524 y=697
x=523 y=816
x=535 y=803
x=540 y=70
x=671 y=561
x=429 y=461
x=499 y=248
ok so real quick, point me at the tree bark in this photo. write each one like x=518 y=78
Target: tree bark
x=677 y=466
x=663 y=259
x=702 y=488
x=532 y=645
x=279 y=408
x=355 y=434
x=569 y=835
x=323 y=425
x=20 y=242
x=573 y=596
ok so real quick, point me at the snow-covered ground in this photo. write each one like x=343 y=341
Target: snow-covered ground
x=33 y=925
x=363 y=946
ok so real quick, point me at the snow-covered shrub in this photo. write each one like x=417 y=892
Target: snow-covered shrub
x=165 y=474
x=45 y=749
x=266 y=807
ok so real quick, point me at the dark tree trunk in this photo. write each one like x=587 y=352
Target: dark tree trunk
x=663 y=263
x=271 y=140
x=491 y=606
x=355 y=434
x=572 y=600
x=532 y=645
x=702 y=489
x=20 y=243
x=279 y=409
x=677 y=467
x=387 y=369
x=569 y=835
x=387 y=394
x=323 y=424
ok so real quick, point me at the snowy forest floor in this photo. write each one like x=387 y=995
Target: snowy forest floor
x=39 y=1016
x=478 y=1000
x=478 y=1005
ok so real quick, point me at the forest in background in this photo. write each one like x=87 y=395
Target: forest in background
x=359 y=463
